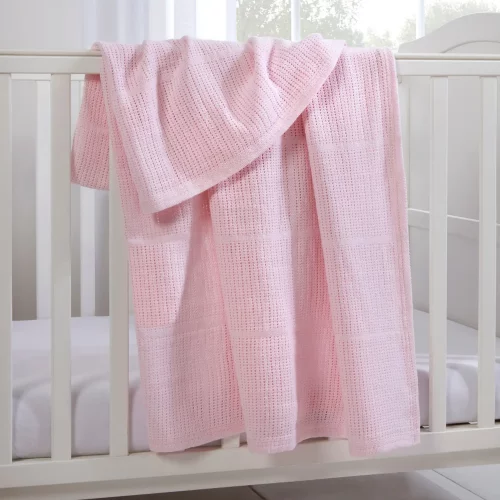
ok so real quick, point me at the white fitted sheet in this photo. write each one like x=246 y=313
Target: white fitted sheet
x=90 y=384
x=90 y=388
x=461 y=397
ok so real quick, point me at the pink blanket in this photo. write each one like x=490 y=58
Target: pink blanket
x=264 y=202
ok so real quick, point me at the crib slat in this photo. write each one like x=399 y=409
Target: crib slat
x=295 y=20
x=119 y=321
x=438 y=252
x=76 y=271
x=87 y=246
x=487 y=254
x=43 y=189
x=61 y=267
x=5 y=270
x=87 y=252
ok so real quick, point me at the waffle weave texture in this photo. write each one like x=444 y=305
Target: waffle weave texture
x=264 y=201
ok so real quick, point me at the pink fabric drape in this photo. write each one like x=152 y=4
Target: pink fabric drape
x=264 y=202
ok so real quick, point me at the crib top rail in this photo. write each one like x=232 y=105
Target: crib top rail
x=88 y=62
x=398 y=56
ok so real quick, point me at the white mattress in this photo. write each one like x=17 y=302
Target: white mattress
x=90 y=372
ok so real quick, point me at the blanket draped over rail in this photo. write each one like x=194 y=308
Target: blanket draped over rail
x=265 y=211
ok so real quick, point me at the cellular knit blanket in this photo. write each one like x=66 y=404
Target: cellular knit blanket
x=264 y=201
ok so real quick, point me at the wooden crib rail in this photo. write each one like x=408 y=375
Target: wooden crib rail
x=487 y=252
x=438 y=236
x=61 y=266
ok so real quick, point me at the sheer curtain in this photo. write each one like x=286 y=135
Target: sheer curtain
x=132 y=21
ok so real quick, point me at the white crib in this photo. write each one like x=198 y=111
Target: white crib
x=228 y=463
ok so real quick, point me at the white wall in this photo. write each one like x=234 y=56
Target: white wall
x=44 y=25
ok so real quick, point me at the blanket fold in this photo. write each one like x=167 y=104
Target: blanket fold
x=265 y=211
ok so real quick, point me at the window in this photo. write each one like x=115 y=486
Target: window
x=263 y=18
x=362 y=23
x=382 y=23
